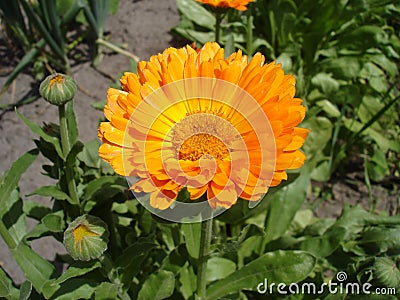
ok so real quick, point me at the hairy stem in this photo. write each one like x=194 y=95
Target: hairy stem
x=66 y=147
x=205 y=241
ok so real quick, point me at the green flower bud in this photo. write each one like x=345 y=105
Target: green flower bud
x=57 y=89
x=86 y=238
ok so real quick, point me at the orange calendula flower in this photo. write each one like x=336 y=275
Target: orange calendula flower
x=236 y=4
x=224 y=128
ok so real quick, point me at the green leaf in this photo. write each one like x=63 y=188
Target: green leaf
x=387 y=272
x=39 y=131
x=35 y=268
x=359 y=129
x=14 y=218
x=368 y=108
x=249 y=231
x=320 y=135
x=218 y=268
x=318 y=227
x=279 y=266
x=35 y=210
x=242 y=211
x=354 y=219
x=76 y=288
x=196 y=13
x=103 y=190
x=329 y=107
x=346 y=67
x=55 y=221
x=194 y=35
x=77 y=269
x=171 y=236
x=301 y=219
x=9 y=180
x=129 y=265
x=326 y=244
x=5 y=284
x=377 y=168
x=106 y=291
x=90 y=155
x=385 y=63
x=192 y=233
x=283 y=206
x=176 y=259
x=325 y=83
x=366 y=128
x=229 y=46
x=381 y=240
x=51 y=222
x=321 y=172
x=375 y=77
x=71 y=157
x=187 y=280
x=100 y=187
x=52 y=191
x=25 y=290
x=364 y=37
x=285 y=60
x=158 y=286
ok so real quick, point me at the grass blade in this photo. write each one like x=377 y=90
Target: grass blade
x=33 y=17
x=54 y=20
x=26 y=60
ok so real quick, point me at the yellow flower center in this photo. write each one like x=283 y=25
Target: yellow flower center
x=202 y=144
x=82 y=231
x=56 y=80
x=202 y=134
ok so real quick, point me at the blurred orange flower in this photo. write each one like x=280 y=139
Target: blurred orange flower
x=236 y=4
x=221 y=127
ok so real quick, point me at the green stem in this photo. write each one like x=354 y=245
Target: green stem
x=67 y=66
x=205 y=241
x=66 y=147
x=117 y=49
x=7 y=236
x=249 y=33
x=218 y=19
